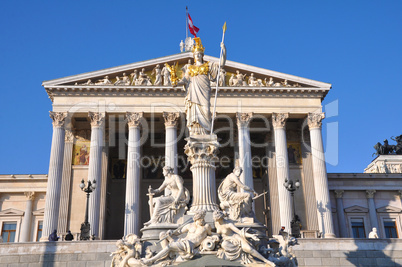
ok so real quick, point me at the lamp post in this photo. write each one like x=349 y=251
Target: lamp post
x=85 y=227
x=295 y=223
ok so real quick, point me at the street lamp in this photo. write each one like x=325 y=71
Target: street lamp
x=85 y=227
x=295 y=223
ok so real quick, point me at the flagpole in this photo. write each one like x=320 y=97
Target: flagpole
x=217 y=80
x=186 y=22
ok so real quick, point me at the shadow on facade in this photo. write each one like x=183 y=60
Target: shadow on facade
x=49 y=256
x=370 y=252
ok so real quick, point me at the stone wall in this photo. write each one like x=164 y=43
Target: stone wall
x=310 y=252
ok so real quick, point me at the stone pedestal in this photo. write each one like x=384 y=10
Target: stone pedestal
x=201 y=151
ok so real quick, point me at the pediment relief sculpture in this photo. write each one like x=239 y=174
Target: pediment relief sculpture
x=356 y=209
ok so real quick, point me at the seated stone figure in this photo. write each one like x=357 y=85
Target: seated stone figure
x=186 y=246
x=165 y=208
x=237 y=204
x=235 y=244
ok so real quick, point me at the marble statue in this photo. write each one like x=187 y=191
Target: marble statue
x=118 y=81
x=103 y=81
x=185 y=67
x=158 y=75
x=181 y=46
x=283 y=254
x=89 y=82
x=373 y=233
x=125 y=80
x=189 y=44
x=196 y=81
x=285 y=83
x=269 y=83
x=237 y=204
x=235 y=244
x=166 y=207
x=222 y=77
x=166 y=76
x=240 y=79
x=143 y=78
x=232 y=80
x=134 y=77
x=252 y=81
x=185 y=247
x=128 y=251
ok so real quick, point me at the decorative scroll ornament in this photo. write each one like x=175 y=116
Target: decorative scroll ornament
x=279 y=119
x=134 y=118
x=339 y=193
x=314 y=120
x=243 y=119
x=370 y=193
x=58 y=118
x=69 y=136
x=97 y=118
x=30 y=195
x=171 y=118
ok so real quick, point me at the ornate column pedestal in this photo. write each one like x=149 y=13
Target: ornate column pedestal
x=341 y=214
x=246 y=177
x=320 y=175
x=201 y=151
x=26 y=221
x=372 y=209
x=282 y=168
x=95 y=169
x=132 y=217
x=52 y=201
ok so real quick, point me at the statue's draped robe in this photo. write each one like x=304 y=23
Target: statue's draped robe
x=198 y=97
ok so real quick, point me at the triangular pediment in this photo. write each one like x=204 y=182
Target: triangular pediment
x=389 y=209
x=356 y=208
x=11 y=212
x=97 y=79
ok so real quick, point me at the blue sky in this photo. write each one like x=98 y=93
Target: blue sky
x=354 y=45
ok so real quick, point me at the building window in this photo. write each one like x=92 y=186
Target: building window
x=8 y=231
x=390 y=229
x=358 y=228
x=39 y=230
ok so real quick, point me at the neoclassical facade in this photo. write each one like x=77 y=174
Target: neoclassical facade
x=120 y=126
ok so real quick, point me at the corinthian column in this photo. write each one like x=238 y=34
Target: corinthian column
x=372 y=210
x=320 y=175
x=282 y=168
x=52 y=202
x=26 y=221
x=341 y=213
x=243 y=121
x=171 y=120
x=95 y=169
x=132 y=209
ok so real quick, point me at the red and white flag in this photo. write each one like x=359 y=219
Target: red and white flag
x=194 y=30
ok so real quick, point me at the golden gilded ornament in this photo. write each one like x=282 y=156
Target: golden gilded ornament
x=173 y=73
x=197 y=70
x=198 y=47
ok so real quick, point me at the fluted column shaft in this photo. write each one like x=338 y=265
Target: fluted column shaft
x=320 y=176
x=341 y=213
x=372 y=209
x=95 y=169
x=26 y=221
x=171 y=120
x=282 y=168
x=52 y=201
x=246 y=177
x=132 y=217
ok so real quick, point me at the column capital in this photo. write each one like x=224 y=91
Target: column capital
x=134 y=118
x=97 y=118
x=339 y=193
x=279 y=119
x=243 y=119
x=171 y=118
x=370 y=193
x=314 y=120
x=30 y=195
x=69 y=136
x=58 y=118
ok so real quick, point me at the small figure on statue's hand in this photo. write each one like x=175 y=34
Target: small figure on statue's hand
x=53 y=236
